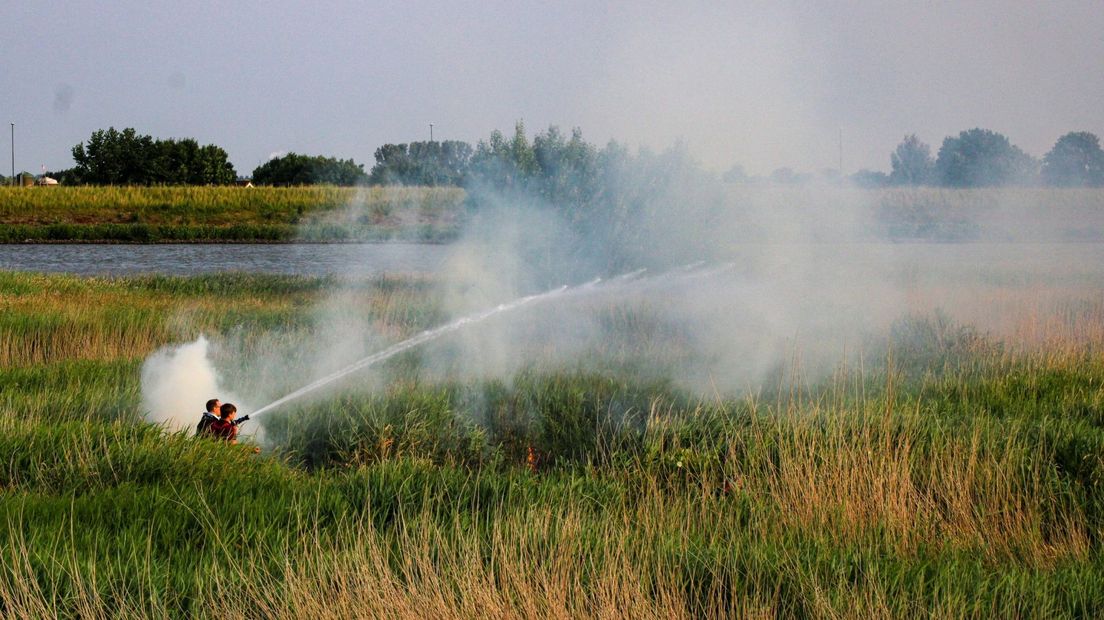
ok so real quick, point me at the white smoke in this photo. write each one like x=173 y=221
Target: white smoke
x=177 y=381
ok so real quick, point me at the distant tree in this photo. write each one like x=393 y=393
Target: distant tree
x=614 y=202
x=393 y=166
x=128 y=158
x=912 y=163
x=505 y=164
x=735 y=174
x=422 y=163
x=212 y=166
x=442 y=163
x=296 y=169
x=870 y=179
x=114 y=157
x=982 y=158
x=1075 y=160
x=567 y=168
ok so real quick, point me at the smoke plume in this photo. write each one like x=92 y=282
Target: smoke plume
x=176 y=383
x=811 y=277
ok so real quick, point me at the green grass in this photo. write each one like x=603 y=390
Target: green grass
x=198 y=214
x=958 y=476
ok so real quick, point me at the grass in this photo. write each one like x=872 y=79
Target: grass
x=954 y=474
x=331 y=214
x=194 y=214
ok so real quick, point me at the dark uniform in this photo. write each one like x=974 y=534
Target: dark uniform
x=203 y=429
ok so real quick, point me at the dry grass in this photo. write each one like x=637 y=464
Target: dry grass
x=854 y=481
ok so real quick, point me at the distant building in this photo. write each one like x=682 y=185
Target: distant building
x=244 y=182
x=45 y=180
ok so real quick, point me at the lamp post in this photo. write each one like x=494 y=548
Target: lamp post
x=431 y=132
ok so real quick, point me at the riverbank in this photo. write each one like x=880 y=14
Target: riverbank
x=749 y=214
x=229 y=214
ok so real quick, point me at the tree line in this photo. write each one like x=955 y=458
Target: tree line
x=974 y=158
x=112 y=157
x=984 y=158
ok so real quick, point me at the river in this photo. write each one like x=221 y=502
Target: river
x=1080 y=264
x=188 y=259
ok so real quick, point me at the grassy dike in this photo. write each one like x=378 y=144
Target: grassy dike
x=193 y=214
x=227 y=214
x=965 y=479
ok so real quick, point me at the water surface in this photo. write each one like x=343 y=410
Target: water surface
x=1006 y=264
x=187 y=259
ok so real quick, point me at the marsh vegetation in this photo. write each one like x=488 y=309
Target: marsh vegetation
x=953 y=472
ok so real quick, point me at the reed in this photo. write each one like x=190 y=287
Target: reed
x=953 y=474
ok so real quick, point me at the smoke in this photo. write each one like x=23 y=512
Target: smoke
x=795 y=283
x=792 y=277
x=177 y=381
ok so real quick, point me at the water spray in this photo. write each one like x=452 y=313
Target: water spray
x=626 y=279
x=412 y=342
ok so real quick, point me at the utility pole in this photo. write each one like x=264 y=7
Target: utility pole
x=431 y=132
x=13 y=154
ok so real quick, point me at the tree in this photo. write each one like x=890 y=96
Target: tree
x=567 y=168
x=613 y=204
x=505 y=164
x=393 y=166
x=912 y=163
x=296 y=169
x=982 y=158
x=127 y=158
x=1075 y=160
x=422 y=163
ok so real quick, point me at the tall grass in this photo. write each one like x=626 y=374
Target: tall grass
x=955 y=473
x=168 y=214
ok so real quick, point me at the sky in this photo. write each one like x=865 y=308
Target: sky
x=758 y=84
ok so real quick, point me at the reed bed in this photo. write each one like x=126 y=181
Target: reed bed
x=953 y=473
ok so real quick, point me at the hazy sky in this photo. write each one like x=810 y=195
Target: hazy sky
x=762 y=84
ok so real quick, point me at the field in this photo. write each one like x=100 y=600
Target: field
x=954 y=473
x=194 y=214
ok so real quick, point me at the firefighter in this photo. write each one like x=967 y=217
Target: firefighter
x=203 y=429
x=225 y=428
